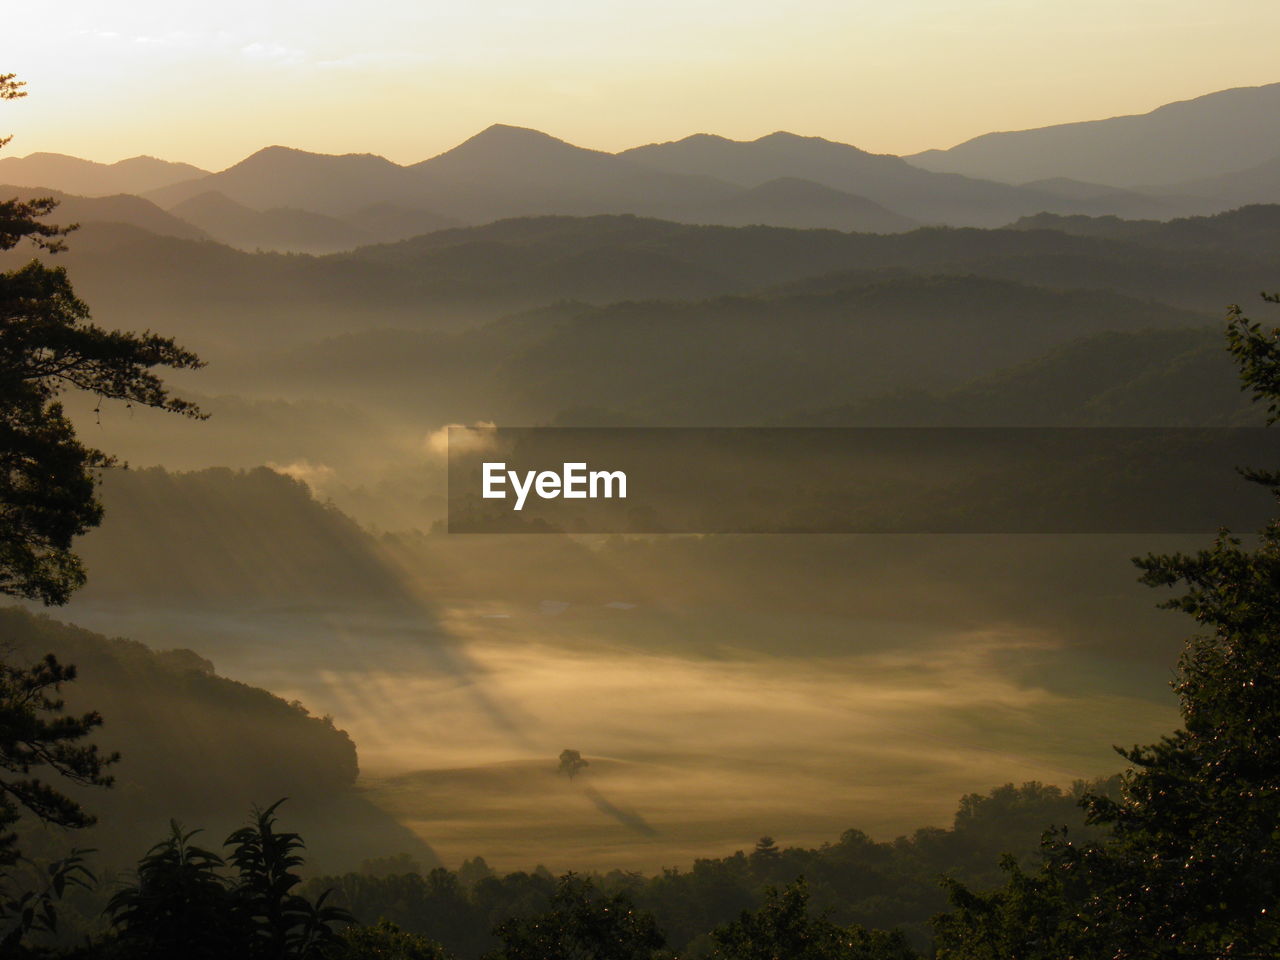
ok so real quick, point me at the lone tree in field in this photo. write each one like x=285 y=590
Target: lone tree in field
x=571 y=763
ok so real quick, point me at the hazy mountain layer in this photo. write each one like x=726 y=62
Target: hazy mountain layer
x=229 y=303
x=1138 y=379
x=890 y=181
x=117 y=208
x=90 y=179
x=510 y=171
x=1203 y=137
x=281 y=228
x=1171 y=162
x=201 y=748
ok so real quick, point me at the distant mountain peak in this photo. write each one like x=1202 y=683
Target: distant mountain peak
x=278 y=160
x=90 y=178
x=502 y=151
x=784 y=136
x=504 y=136
x=704 y=138
x=49 y=155
x=273 y=150
x=511 y=129
x=278 y=150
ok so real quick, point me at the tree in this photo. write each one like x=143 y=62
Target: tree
x=783 y=929
x=48 y=344
x=179 y=905
x=1190 y=864
x=385 y=941
x=30 y=740
x=48 y=478
x=182 y=904
x=21 y=220
x=581 y=924
x=765 y=856
x=48 y=481
x=571 y=763
x=280 y=923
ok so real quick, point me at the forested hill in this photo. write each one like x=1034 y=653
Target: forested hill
x=720 y=361
x=199 y=747
x=223 y=300
x=1146 y=378
x=853 y=879
x=744 y=360
x=255 y=539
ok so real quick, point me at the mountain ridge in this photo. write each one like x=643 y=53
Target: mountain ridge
x=1174 y=142
x=89 y=178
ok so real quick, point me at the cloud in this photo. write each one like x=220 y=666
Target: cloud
x=479 y=436
x=314 y=475
x=269 y=52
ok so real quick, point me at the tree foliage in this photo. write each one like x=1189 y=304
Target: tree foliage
x=21 y=220
x=1190 y=863
x=35 y=735
x=184 y=904
x=179 y=904
x=581 y=924
x=48 y=477
x=48 y=345
x=385 y=941
x=783 y=928
x=280 y=922
x=571 y=763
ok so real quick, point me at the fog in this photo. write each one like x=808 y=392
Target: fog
x=458 y=722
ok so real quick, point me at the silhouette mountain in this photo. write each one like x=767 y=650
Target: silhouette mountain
x=281 y=228
x=881 y=178
x=388 y=222
x=1173 y=161
x=792 y=202
x=283 y=177
x=320 y=555
x=507 y=171
x=744 y=359
x=197 y=744
x=90 y=179
x=501 y=172
x=1098 y=199
x=1190 y=139
x=226 y=303
x=121 y=208
x=1245 y=231
x=1256 y=184
x=504 y=151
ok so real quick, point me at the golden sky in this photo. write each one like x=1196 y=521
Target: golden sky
x=212 y=82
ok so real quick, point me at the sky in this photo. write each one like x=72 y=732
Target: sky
x=211 y=83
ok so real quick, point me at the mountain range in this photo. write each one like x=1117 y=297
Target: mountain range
x=528 y=318
x=1199 y=156
x=88 y=178
x=1188 y=141
x=215 y=297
